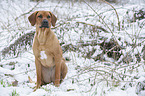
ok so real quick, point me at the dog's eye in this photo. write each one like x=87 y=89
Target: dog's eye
x=48 y=16
x=40 y=16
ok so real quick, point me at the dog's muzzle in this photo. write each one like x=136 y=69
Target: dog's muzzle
x=44 y=24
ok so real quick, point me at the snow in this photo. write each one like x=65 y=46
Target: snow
x=85 y=75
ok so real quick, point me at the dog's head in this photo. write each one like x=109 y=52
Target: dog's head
x=43 y=19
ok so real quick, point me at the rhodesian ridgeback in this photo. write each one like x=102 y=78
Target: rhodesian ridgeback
x=49 y=62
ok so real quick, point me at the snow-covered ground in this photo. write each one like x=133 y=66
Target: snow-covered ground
x=86 y=76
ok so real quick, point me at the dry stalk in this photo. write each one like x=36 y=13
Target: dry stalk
x=115 y=12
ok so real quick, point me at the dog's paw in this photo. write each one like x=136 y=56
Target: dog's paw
x=57 y=85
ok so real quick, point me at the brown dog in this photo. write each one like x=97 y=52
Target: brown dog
x=50 y=65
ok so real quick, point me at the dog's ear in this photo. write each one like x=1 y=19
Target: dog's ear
x=32 y=18
x=53 y=19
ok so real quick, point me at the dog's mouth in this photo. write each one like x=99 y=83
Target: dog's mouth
x=44 y=24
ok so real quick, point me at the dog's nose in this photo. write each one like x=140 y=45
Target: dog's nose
x=45 y=21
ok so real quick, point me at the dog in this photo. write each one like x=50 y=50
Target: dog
x=49 y=62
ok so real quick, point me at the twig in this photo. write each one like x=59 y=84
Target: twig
x=141 y=28
x=27 y=12
x=56 y=5
x=103 y=22
x=111 y=49
x=100 y=18
x=99 y=27
x=12 y=75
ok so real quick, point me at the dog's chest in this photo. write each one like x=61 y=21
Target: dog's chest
x=46 y=59
x=43 y=55
x=42 y=37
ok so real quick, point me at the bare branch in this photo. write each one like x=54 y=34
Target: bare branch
x=27 y=12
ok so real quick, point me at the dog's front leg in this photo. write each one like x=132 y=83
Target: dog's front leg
x=57 y=70
x=38 y=72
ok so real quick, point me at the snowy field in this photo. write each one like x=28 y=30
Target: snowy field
x=84 y=30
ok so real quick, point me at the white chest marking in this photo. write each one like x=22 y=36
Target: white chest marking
x=43 y=55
